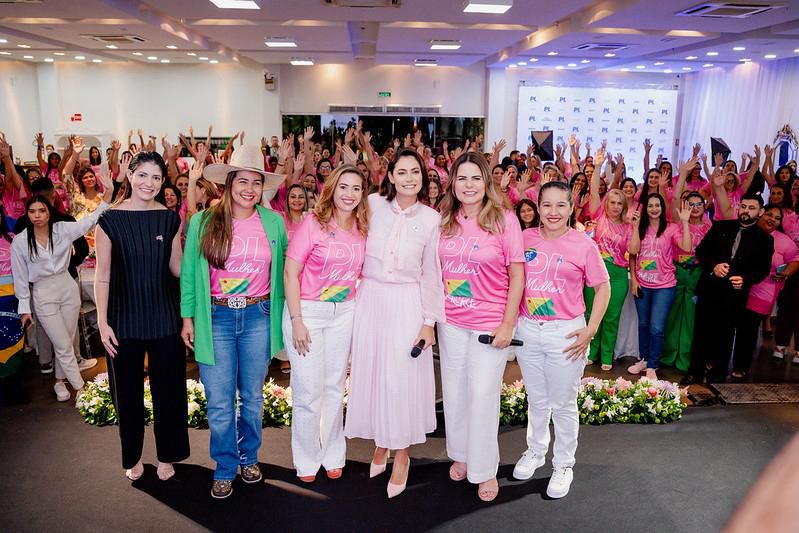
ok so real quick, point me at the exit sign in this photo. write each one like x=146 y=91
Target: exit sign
x=384 y=94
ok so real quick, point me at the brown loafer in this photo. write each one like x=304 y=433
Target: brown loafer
x=251 y=473
x=221 y=488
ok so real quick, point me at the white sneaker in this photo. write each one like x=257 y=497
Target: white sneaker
x=779 y=352
x=796 y=359
x=637 y=368
x=61 y=392
x=560 y=482
x=86 y=364
x=527 y=465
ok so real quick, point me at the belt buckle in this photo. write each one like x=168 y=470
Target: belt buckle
x=237 y=302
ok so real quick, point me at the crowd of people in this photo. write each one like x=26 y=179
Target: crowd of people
x=347 y=262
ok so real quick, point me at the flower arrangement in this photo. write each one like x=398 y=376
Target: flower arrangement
x=198 y=405
x=513 y=404
x=95 y=403
x=277 y=405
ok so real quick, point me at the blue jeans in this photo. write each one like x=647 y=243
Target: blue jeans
x=653 y=308
x=241 y=357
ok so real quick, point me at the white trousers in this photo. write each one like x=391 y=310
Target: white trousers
x=317 y=384
x=471 y=378
x=552 y=382
x=57 y=303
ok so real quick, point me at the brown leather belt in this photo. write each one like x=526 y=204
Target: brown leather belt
x=240 y=302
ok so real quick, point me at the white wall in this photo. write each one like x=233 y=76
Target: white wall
x=459 y=91
x=115 y=97
x=19 y=106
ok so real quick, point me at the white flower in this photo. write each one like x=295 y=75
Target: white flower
x=588 y=403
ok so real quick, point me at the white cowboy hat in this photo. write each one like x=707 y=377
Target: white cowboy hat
x=246 y=157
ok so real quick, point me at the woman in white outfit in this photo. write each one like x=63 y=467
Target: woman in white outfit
x=559 y=262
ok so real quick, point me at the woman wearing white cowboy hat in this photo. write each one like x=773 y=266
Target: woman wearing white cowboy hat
x=231 y=300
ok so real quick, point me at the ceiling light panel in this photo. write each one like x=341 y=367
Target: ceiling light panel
x=493 y=7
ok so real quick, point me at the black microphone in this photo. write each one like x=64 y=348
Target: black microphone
x=488 y=339
x=416 y=351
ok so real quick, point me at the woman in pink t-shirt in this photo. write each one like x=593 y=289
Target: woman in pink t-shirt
x=482 y=268
x=763 y=296
x=652 y=261
x=296 y=207
x=559 y=262
x=612 y=236
x=436 y=191
x=323 y=263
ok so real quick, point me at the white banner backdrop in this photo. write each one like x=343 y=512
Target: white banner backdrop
x=624 y=117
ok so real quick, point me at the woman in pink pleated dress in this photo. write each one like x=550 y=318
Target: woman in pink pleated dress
x=399 y=300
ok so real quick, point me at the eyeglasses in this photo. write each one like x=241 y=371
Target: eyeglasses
x=696 y=204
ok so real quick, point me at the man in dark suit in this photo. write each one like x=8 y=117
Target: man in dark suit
x=734 y=255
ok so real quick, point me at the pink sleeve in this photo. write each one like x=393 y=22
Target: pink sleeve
x=512 y=245
x=706 y=188
x=596 y=273
x=532 y=194
x=513 y=195
x=432 y=286
x=791 y=253
x=302 y=241
x=677 y=233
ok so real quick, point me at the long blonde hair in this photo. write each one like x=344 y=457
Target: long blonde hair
x=217 y=227
x=325 y=207
x=491 y=217
x=606 y=201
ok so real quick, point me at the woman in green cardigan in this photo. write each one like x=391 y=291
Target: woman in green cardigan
x=232 y=297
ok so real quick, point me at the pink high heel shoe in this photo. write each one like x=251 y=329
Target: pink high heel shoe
x=395 y=490
x=376 y=469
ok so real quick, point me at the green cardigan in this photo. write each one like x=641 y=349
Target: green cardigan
x=195 y=284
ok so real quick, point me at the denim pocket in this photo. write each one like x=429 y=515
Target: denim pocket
x=264 y=307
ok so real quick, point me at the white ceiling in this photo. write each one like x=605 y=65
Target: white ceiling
x=330 y=34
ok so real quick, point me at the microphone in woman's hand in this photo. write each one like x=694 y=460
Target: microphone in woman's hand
x=488 y=339
x=416 y=351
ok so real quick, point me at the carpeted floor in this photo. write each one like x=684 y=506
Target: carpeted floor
x=61 y=474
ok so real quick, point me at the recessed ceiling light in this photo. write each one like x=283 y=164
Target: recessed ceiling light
x=213 y=61
x=27 y=57
x=533 y=60
x=745 y=59
x=513 y=66
x=770 y=56
x=610 y=54
x=659 y=63
x=202 y=58
x=572 y=65
x=640 y=67
x=667 y=71
x=137 y=53
x=111 y=46
x=552 y=53
x=172 y=47
x=48 y=59
x=302 y=62
x=712 y=53
x=585 y=61
x=3 y=41
x=24 y=45
x=422 y=62
x=444 y=45
x=80 y=58
x=625 y=69
x=97 y=60
x=686 y=68
x=152 y=58
x=5 y=53
x=496 y=7
x=280 y=42
x=689 y=58
x=235 y=4
x=58 y=53
x=164 y=61
x=796 y=51
x=522 y=63
x=559 y=67
x=707 y=65
x=192 y=54
x=739 y=48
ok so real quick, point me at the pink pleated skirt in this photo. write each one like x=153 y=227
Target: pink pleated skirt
x=392 y=395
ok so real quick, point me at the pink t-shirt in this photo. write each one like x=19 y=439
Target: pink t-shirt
x=248 y=268
x=612 y=240
x=291 y=226
x=763 y=295
x=14 y=200
x=790 y=223
x=655 y=264
x=332 y=260
x=735 y=200
x=698 y=232
x=555 y=273
x=531 y=194
x=474 y=267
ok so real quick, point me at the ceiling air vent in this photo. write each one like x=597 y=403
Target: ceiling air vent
x=728 y=10
x=341 y=109
x=362 y=3
x=115 y=39
x=428 y=109
x=20 y=1
x=399 y=109
x=369 y=109
x=602 y=47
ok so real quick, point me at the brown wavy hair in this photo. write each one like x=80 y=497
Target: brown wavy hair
x=217 y=227
x=492 y=215
x=324 y=209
